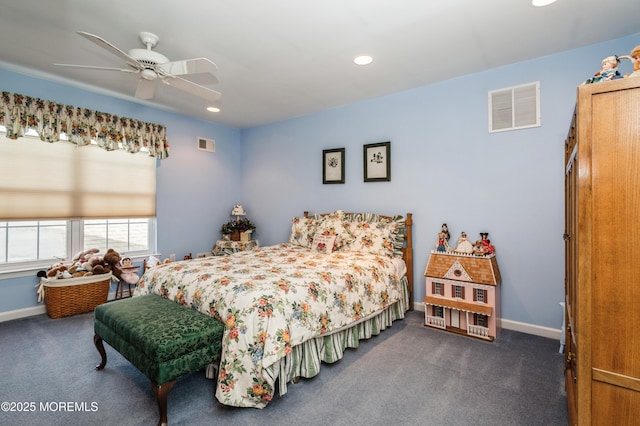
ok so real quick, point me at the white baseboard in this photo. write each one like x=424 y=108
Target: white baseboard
x=23 y=313
x=32 y=311
x=536 y=330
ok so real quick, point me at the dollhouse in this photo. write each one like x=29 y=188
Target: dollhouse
x=462 y=293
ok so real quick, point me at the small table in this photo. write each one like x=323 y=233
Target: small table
x=224 y=247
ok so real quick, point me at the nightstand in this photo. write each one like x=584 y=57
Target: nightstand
x=224 y=247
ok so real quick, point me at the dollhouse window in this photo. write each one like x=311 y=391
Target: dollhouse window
x=458 y=291
x=438 y=289
x=438 y=312
x=480 y=295
x=481 y=320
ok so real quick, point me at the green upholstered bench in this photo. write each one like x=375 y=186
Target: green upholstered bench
x=163 y=339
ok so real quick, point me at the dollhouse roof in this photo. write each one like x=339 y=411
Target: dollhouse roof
x=463 y=268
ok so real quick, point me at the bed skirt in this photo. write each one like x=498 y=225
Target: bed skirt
x=306 y=358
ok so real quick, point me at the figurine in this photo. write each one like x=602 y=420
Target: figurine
x=464 y=245
x=445 y=231
x=128 y=273
x=478 y=249
x=442 y=245
x=609 y=71
x=486 y=243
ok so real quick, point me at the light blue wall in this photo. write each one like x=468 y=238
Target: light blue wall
x=195 y=189
x=446 y=167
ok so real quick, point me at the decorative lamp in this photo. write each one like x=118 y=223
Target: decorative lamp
x=238 y=211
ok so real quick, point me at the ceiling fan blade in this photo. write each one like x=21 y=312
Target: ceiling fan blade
x=146 y=89
x=98 y=68
x=189 y=66
x=192 y=88
x=111 y=48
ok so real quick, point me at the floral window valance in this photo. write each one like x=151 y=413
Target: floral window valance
x=19 y=113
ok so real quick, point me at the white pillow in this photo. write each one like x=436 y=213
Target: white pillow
x=323 y=243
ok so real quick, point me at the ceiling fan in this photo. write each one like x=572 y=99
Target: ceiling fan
x=153 y=66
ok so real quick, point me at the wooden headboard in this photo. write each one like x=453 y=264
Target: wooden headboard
x=407 y=251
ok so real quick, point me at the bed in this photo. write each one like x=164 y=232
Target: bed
x=341 y=277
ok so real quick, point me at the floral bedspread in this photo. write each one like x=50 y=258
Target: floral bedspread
x=271 y=299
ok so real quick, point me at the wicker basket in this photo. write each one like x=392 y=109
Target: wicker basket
x=71 y=296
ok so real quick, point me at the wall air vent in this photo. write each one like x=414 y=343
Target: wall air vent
x=206 y=145
x=516 y=107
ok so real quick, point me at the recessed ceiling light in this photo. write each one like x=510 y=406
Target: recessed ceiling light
x=363 y=60
x=213 y=109
x=541 y=3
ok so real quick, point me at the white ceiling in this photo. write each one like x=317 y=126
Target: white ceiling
x=279 y=59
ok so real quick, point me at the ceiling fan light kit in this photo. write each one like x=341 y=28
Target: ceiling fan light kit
x=152 y=65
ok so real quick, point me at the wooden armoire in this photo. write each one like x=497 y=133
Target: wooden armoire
x=602 y=250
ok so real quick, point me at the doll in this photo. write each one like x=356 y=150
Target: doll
x=464 y=245
x=128 y=273
x=609 y=71
x=634 y=57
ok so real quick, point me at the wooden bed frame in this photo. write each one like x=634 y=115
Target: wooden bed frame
x=407 y=250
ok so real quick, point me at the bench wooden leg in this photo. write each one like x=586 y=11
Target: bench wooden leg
x=97 y=340
x=161 y=393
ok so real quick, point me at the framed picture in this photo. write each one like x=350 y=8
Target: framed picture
x=377 y=162
x=333 y=165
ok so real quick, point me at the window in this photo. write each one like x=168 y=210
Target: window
x=32 y=244
x=480 y=320
x=438 y=311
x=122 y=235
x=40 y=183
x=480 y=295
x=438 y=288
x=458 y=291
x=32 y=240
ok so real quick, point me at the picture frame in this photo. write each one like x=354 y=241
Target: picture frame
x=333 y=165
x=377 y=162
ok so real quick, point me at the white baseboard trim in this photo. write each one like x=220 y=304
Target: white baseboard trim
x=34 y=310
x=23 y=313
x=536 y=330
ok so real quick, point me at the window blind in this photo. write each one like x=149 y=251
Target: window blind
x=62 y=180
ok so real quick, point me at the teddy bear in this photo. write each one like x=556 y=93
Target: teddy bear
x=59 y=271
x=112 y=257
x=91 y=264
x=83 y=256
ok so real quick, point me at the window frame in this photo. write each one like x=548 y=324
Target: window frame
x=75 y=244
x=438 y=288
x=455 y=291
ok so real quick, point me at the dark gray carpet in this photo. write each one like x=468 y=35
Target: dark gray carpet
x=408 y=375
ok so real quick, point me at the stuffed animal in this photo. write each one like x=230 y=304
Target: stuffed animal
x=112 y=257
x=83 y=256
x=93 y=261
x=58 y=271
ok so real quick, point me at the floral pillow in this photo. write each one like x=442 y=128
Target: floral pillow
x=377 y=235
x=336 y=224
x=303 y=229
x=323 y=243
